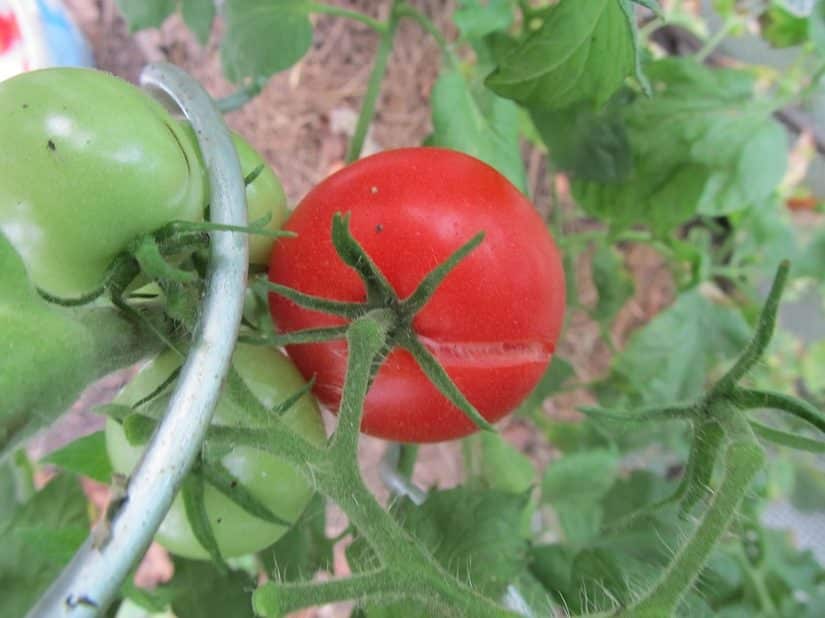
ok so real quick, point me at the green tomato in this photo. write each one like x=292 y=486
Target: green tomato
x=90 y=162
x=264 y=196
x=47 y=357
x=276 y=484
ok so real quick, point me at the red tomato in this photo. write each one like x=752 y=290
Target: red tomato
x=493 y=323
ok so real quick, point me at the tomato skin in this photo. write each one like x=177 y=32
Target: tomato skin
x=493 y=323
x=95 y=162
x=264 y=196
x=273 y=378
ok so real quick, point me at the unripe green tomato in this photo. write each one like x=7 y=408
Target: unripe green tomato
x=46 y=358
x=89 y=162
x=276 y=484
x=264 y=196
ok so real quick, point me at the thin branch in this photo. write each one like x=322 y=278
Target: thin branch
x=750 y=398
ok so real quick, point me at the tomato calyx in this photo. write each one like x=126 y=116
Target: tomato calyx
x=175 y=258
x=383 y=303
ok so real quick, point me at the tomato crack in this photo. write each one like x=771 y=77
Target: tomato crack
x=489 y=354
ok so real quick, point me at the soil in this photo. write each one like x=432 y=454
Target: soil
x=301 y=123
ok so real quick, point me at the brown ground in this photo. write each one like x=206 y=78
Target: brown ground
x=301 y=123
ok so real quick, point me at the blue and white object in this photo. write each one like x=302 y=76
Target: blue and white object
x=35 y=34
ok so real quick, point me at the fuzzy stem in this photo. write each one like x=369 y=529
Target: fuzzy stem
x=703 y=455
x=297 y=595
x=743 y=458
x=366 y=337
x=767 y=399
x=762 y=337
x=742 y=462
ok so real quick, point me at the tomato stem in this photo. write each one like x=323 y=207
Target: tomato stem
x=743 y=458
x=366 y=337
x=407 y=10
x=783 y=438
x=751 y=398
x=764 y=332
x=377 y=25
x=293 y=596
x=379 y=69
x=707 y=436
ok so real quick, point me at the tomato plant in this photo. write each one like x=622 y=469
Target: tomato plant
x=419 y=276
x=82 y=181
x=272 y=378
x=494 y=322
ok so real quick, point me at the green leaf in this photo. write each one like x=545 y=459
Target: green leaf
x=580 y=479
x=304 y=550
x=473 y=534
x=703 y=144
x=781 y=28
x=588 y=144
x=471 y=119
x=613 y=283
x=263 y=37
x=552 y=565
x=816 y=27
x=53 y=546
x=475 y=20
x=584 y=581
x=38 y=541
x=575 y=485
x=86 y=456
x=601 y=578
x=699 y=333
x=198 y=16
x=142 y=14
x=526 y=596
x=582 y=51
x=557 y=373
x=200 y=590
x=765 y=236
x=642 y=488
x=576 y=435
x=503 y=467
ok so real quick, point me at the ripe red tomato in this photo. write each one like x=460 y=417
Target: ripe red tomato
x=493 y=323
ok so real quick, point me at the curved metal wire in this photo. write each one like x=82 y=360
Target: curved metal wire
x=92 y=579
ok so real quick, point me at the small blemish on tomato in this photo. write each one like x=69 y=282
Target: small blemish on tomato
x=25 y=106
x=51 y=145
x=379 y=228
x=219 y=520
x=373 y=190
